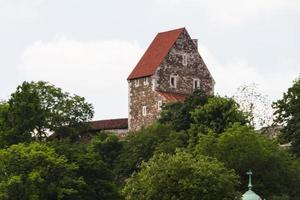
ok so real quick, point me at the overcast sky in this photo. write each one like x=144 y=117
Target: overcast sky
x=89 y=47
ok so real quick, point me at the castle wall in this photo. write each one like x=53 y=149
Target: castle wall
x=185 y=71
x=140 y=95
x=173 y=66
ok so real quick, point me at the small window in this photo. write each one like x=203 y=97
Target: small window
x=144 y=111
x=196 y=84
x=159 y=105
x=184 y=59
x=136 y=83
x=153 y=84
x=173 y=81
x=146 y=81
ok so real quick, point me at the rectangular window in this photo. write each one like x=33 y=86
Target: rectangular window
x=173 y=83
x=144 y=111
x=196 y=83
x=159 y=105
x=146 y=81
x=184 y=59
x=153 y=84
x=136 y=82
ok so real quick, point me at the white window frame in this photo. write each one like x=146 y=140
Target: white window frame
x=144 y=111
x=175 y=81
x=136 y=82
x=159 y=104
x=153 y=84
x=146 y=81
x=196 y=80
x=184 y=59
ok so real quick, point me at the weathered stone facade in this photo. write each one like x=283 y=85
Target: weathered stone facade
x=181 y=71
x=142 y=95
x=172 y=65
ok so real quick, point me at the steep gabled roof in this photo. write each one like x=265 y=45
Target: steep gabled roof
x=109 y=124
x=172 y=96
x=155 y=54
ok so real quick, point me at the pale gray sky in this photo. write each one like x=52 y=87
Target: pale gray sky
x=89 y=47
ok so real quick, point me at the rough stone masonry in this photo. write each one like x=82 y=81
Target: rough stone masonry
x=170 y=69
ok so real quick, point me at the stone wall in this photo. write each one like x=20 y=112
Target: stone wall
x=173 y=66
x=142 y=95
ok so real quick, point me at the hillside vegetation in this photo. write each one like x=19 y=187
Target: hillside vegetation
x=199 y=149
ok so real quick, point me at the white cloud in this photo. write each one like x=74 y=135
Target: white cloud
x=230 y=13
x=96 y=70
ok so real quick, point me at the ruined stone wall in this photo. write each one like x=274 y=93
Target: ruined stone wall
x=173 y=66
x=140 y=95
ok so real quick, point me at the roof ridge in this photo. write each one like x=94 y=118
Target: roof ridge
x=177 y=29
x=155 y=53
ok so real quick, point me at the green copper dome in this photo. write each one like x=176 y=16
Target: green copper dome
x=250 y=195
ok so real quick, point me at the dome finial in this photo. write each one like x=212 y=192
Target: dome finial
x=250 y=195
x=249 y=173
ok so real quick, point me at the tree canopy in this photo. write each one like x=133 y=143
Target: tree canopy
x=240 y=148
x=218 y=114
x=178 y=114
x=198 y=149
x=180 y=177
x=141 y=146
x=36 y=171
x=287 y=113
x=91 y=167
x=37 y=109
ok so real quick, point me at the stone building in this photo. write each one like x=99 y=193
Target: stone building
x=170 y=69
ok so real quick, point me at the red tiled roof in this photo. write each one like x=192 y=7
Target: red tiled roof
x=109 y=124
x=173 y=96
x=155 y=54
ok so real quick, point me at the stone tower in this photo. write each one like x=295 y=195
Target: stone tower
x=170 y=69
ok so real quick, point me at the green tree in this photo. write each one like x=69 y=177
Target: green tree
x=142 y=145
x=3 y=109
x=94 y=171
x=218 y=114
x=35 y=171
x=108 y=146
x=276 y=172
x=36 y=109
x=287 y=114
x=180 y=177
x=178 y=115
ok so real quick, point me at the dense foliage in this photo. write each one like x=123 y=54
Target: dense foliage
x=180 y=177
x=218 y=114
x=142 y=145
x=288 y=115
x=178 y=114
x=91 y=167
x=36 y=109
x=276 y=171
x=198 y=149
x=36 y=171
